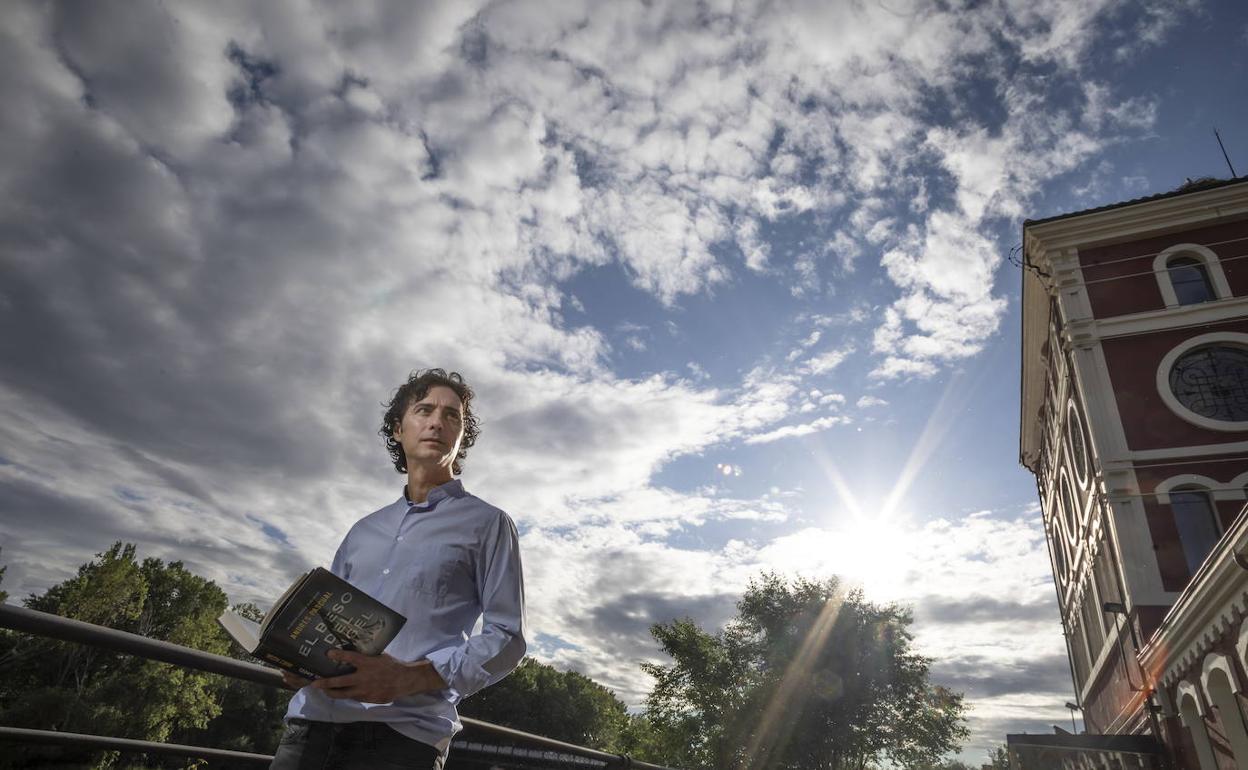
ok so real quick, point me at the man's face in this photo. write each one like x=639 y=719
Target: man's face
x=431 y=428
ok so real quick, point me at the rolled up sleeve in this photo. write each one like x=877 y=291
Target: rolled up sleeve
x=486 y=657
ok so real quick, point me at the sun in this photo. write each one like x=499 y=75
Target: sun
x=876 y=552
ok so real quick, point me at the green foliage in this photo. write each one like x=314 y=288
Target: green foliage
x=564 y=705
x=53 y=685
x=951 y=764
x=807 y=676
x=251 y=716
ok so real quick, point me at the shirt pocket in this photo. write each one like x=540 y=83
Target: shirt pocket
x=434 y=572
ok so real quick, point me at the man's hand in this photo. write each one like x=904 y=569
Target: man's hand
x=379 y=678
x=294 y=681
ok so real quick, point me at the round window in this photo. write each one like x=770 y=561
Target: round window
x=1212 y=382
x=1068 y=508
x=1059 y=555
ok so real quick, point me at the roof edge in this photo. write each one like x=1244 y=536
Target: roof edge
x=1186 y=189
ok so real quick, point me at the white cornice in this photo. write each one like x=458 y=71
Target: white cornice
x=1147 y=218
x=1088 y=331
x=1034 y=366
x=1185 y=452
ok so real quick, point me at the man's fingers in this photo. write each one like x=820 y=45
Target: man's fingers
x=346 y=656
x=351 y=689
x=335 y=682
x=294 y=682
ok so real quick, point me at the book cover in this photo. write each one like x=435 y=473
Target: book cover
x=318 y=613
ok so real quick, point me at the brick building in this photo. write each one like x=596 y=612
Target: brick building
x=1134 y=421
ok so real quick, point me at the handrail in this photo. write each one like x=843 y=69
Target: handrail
x=67 y=629
x=55 y=737
x=70 y=630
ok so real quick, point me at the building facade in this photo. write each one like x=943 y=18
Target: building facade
x=1134 y=420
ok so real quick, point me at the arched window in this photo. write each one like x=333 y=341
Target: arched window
x=1188 y=274
x=1197 y=523
x=1190 y=280
x=1222 y=688
x=1192 y=714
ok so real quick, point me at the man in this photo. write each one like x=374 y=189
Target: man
x=444 y=559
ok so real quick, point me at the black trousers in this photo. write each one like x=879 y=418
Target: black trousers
x=309 y=745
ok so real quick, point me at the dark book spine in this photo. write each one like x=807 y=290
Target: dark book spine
x=288 y=665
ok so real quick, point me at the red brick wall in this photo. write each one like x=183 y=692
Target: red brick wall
x=1166 y=546
x=1111 y=694
x=1123 y=295
x=1147 y=421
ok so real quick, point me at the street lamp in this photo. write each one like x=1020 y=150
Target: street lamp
x=1073 y=708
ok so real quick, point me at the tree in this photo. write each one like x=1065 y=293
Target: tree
x=48 y=684
x=949 y=764
x=564 y=705
x=806 y=676
x=999 y=758
x=251 y=717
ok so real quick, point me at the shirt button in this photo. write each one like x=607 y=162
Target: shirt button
x=400 y=537
x=386 y=571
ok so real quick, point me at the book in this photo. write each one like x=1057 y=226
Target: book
x=318 y=613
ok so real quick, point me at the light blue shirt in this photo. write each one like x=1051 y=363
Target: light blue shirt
x=444 y=564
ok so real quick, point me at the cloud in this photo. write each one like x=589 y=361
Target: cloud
x=979 y=609
x=866 y=402
x=982 y=678
x=827 y=360
x=235 y=231
x=811 y=339
x=894 y=367
x=793 y=431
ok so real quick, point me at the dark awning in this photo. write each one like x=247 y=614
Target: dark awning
x=1034 y=752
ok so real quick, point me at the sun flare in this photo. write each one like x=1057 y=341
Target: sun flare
x=875 y=552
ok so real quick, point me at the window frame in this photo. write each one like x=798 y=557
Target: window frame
x=1213 y=271
x=1236 y=339
x=1201 y=272
x=1212 y=509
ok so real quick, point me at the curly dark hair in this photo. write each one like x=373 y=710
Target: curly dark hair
x=417 y=387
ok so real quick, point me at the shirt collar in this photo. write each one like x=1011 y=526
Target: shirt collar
x=452 y=488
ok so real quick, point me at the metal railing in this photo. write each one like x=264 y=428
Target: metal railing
x=82 y=740
x=66 y=629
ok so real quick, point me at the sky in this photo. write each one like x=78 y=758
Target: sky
x=730 y=279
